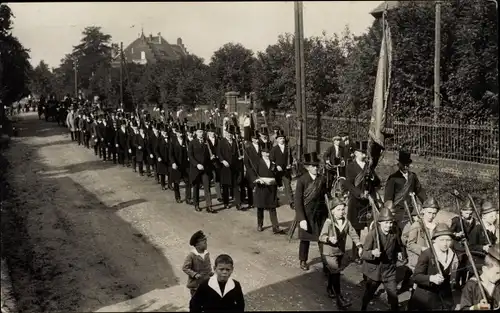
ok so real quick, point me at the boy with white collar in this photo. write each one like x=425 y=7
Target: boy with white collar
x=220 y=292
x=434 y=290
x=197 y=264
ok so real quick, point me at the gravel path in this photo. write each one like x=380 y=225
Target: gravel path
x=85 y=235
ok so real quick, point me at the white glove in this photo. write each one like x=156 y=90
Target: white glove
x=303 y=225
x=200 y=167
x=116 y=145
x=279 y=168
x=129 y=150
x=226 y=164
x=436 y=279
x=151 y=156
x=159 y=159
x=174 y=166
x=139 y=147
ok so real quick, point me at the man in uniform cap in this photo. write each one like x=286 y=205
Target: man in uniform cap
x=361 y=184
x=334 y=157
x=400 y=184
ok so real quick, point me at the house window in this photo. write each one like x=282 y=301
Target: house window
x=132 y=50
x=143 y=55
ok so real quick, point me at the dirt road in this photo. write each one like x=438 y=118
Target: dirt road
x=85 y=235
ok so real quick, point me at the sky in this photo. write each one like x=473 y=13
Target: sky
x=50 y=30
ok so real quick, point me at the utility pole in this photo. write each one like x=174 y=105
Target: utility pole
x=121 y=73
x=300 y=80
x=75 y=63
x=437 y=63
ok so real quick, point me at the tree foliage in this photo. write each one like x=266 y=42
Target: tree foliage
x=41 y=80
x=15 y=69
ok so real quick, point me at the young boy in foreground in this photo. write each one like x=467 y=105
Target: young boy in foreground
x=221 y=292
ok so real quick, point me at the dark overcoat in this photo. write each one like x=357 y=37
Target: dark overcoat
x=131 y=141
x=315 y=213
x=383 y=268
x=231 y=175
x=162 y=152
x=251 y=157
x=396 y=182
x=122 y=140
x=265 y=196
x=358 y=207
x=94 y=131
x=198 y=154
x=214 y=147
x=140 y=146
x=282 y=159
x=152 y=147
x=178 y=155
x=427 y=295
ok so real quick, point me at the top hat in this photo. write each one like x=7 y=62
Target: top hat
x=192 y=129
x=361 y=146
x=231 y=129
x=385 y=215
x=266 y=147
x=200 y=126
x=197 y=237
x=405 y=157
x=254 y=134
x=430 y=203
x=311 y=159
x=441 y=229
x=487 y=207
x=280 y=133
x=264 y=131
x=211 y=127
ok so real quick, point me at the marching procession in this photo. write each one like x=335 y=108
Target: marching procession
x=404 y=249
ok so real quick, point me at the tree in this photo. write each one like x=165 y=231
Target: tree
x=41 y=80
x=231 y=68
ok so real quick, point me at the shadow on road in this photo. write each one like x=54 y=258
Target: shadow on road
x=67 y=251
x=288 y=295
x=80 y=167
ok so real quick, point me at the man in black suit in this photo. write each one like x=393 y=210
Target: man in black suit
x=360 y=183
x=251 y=157
x=178 y=158
x=231 y=170
x=399 y=185
x=121 y=142
x=200 y=170
x=282 y=160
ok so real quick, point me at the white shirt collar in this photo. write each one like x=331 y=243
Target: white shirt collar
x=214 y=284
x=361 y=164
x=342 y=225
x=405 y=175
x=445 y=258
x=202 y=255
x=282 y=148
x=268 y=162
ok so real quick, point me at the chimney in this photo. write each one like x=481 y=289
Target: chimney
x=179 y=42
x=159 y=38
x=150 y=37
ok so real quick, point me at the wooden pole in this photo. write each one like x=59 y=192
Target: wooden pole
x=437 y=59
x=302 y=78
x=298 y=85
x=121 y=73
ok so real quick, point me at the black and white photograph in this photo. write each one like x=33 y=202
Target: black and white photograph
x=204 y=156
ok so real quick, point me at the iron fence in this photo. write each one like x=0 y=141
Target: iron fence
x=457 y=140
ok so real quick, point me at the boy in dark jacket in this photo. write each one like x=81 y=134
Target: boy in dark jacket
x=221 y=292
x=197 y=264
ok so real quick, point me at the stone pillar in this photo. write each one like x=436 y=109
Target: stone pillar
x=231 y=97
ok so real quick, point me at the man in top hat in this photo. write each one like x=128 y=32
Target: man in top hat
x=381 y=251
x=231 y=170
x=361 y=184
x=121 y=140
x=264 y=135
x=282 y=159
x=399 y=185
x=311 y=210
x=162 y=155
x=274 y=135
x=251 y=157
x=213 y=144
x=109 y=134
x=178 y=157
x=200 y=170
x=334 y=157
x=153 y=136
